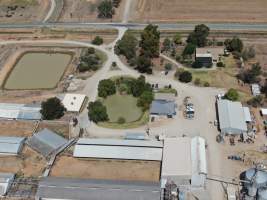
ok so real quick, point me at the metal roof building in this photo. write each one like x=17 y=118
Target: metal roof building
x=247 y=114
x=11 y=145
x=6 y=180
x=164 y=96
x=231 y=117
x=255 y=89
x=184 y=161
x=20 y=111
x=162 y=107
x=45 y=142
x=118 y=149
x=83 y=189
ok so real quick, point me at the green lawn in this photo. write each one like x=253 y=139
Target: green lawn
x=122 y=106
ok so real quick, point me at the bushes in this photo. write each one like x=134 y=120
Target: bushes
x=168 y=67
x=121 y=120
x=106 y=88
x=197 y=64
x=232 y=95
x=97 y=112
x=220 y=64
x=234 y=44
x=89 y=61
x=256 y=101
x=52 y=109
x=185 y=77
x=97 y=40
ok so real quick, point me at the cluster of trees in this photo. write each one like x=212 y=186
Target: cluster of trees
x=232 y=95
x=234 y=45
x=106 y=87
x=89 y=61
x=52 y=109
x=106 y=8
x=140 y=54
x=251 y=75
x=97 y=112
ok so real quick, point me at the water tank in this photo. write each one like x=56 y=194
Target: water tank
x=262 y=194
x=258 y=177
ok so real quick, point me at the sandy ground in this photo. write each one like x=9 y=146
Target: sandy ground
x=61 y=128
x=67 y=166
x=196 y=11
x=86 y=11
x=28 y=164
x=26 y=10
x=16 y=128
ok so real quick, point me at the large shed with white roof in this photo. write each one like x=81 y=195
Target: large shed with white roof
x=73 y=102
x=118 y=149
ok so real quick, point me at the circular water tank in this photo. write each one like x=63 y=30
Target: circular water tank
x=252 y=191
x=258 y=177
x=262 y=194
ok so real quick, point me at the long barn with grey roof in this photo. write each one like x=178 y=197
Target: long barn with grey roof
x=83 y=189
x=11 y=145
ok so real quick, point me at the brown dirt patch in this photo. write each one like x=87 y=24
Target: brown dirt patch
x=86 y=11
x=196 y=11
x=16 y=128
x=61 y=128
x=106 y=169
x=28 y=164
x=23 y=10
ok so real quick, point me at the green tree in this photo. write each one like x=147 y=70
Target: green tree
x=144 y=64
x=105 y=9
x=177 y=39
x=149 y=43
x=166 y=44
x=139 y=85
x=97 y=40
x=52 y=109
x=127 y=46
x=145 y=100
x=89 y=61
x=106 y=88
x=185 y=77
x=168 y=67
x=97 y=112
x=189 y=49
x=232 y=95
x=234 y=44
x=199 y=36
x=251 y=75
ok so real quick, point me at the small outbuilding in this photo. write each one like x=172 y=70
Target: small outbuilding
x=263 y=111
x=84 y=189
x=231 y=117
x=11 y=145
x=46 y=142
x=74 y=102
x=6 y=180
x=255 y=89
x=208 y=55
x=162 y=108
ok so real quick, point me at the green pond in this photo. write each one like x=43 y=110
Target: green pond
x=38 y=71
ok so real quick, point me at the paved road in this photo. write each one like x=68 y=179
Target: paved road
x=140 y=26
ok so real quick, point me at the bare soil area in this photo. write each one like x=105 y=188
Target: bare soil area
x=23 y=10
x=67 y=166
x=16 y=128
x=28 y=164
x=61 y=128
x=86 y=11
x=199 y=11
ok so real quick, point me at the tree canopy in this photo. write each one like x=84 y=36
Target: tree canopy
x=234 y=44
x=52 y=109
x=232 y=95
x=144 y=64
x=105 y=9
x=150 y=39
x=189 y=49
x=97 y=112
x=106 y=87
x=145 y=100
x=199 y=36
x=251 y=75
x=89 y=61
x=185 y=77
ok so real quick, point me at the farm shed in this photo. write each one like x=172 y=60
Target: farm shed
x=73 y=102
x=206 y=56
x=20 y=111
x=184 y=161
x=247 y=114
x=118 y=149
x=82 y=189
x=46 y=142
x=11 y=145
x=164 y=96
x=231 y=117
x=162 y=108
x=6 y=180
x=135 y=136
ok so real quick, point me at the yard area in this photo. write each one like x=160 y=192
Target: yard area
x=199 y=11
x=122 y=106
x=106 y=169
x=16 y=128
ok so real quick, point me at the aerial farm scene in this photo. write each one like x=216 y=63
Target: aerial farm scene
x=133 y=100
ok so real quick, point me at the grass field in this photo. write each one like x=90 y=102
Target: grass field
x=122 y=106
x=199 y=11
